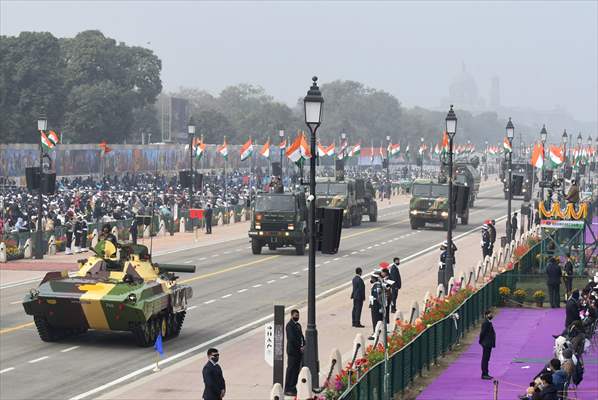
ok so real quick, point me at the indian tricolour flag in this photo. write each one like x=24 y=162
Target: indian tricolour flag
x=246 y=150
x=538 y=156
x=395 y=149
x=299 y=149
x=506 y=144
x=556 y=155
x=223 y=149
x=355 y=151
x=200 y=148
x=329 y=150
x=265 y=151
x=49 y=141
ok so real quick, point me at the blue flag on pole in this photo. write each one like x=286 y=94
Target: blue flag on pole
x=158 y=344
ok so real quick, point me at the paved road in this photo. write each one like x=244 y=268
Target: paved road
x=232 y=288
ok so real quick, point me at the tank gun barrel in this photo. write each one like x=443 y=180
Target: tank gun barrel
x=175 y=268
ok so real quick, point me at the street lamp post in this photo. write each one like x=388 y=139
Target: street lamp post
x=421 y=158
x=343 y=144
x=451 y=130
x=42 y=125
x=388 y=164
x=312 y=104
x=191 y=132
x=281 y=136
x=510 y=136
x=579 y=142
x=590 y=159
x=543 y=136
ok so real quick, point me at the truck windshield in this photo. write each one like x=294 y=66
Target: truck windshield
x=439 y=190
x=275 y=203
x=421 y=190
x=331 y=188
x=430 y=190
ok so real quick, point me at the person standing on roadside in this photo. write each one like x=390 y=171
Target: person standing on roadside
x=214 y=384
x=486 y=243
x=553 y=274
x=488 y=342
x=358 y=297
x=492 y=231
x=208 y=218
x=375 y=306
x=568 y=275
x=395 y=276
x=514 y=226
x=295 y=349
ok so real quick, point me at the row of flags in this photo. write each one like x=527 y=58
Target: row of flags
x=556 y=157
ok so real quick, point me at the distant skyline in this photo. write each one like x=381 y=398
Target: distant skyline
x=544 y=53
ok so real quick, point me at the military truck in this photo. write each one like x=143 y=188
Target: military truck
x=468 y=175
x=129 y=293
x=278 y=220
x=365 y=195
x=340 y=194
x=522 y=179
x=429 y=204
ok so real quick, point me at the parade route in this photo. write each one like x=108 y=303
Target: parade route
x=233 y=292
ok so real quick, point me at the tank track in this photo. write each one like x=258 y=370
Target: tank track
x=49 y=333
x=147 y=332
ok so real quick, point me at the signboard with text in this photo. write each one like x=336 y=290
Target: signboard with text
x=561 y=224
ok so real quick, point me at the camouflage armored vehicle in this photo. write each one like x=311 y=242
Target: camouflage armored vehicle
x=126 y=294
x=522 y=179
x=429 y=204
x=365 y=195
x=278 y=220
x=466 y=174
x=340 y=194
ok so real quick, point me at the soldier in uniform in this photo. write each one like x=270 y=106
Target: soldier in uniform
x=492 y=232
x=486 y=242
x=68 y=224
x=375 y=306
x=84 y=233
x=77 y=229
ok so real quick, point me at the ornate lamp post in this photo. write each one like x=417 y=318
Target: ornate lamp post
x=281 y=136
x=388 y=164
x=565 y=139
x=451 y=130
x=312 y=104
x=510 y=135
x=343 y=144
x=543 y=136
x=590 y=162
x=191 y=133
x=42 y=125
x=421 y=158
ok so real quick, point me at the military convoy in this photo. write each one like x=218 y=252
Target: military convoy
x=429 y=203
x=522 y=176
x=355 y=196
x=278 y=220
x=468 y=175
x=107 y=293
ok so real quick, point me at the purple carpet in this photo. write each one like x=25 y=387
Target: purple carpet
x=524 y=344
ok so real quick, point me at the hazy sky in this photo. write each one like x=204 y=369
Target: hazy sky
x=545 y=52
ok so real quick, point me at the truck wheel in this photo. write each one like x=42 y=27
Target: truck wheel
x=256 y=246
x=300 y=249
x=347 y=222
x=271 y=246
x=414 y=224
x=374 y=215
x=465 y=219
x=357 y=220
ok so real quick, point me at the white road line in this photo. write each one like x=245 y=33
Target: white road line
x=209 y=301
x=188 y=261
x=202 y=259
x=271 y=281
x=284 y=277
x=226 y=252
x=6 y=370
x=305 y=269
x=317 y=265
x=241 y=290
x=215 y=255
x=234 y=332
x=258 y=285
x=346 y=255
x=337 y=258
x=327 y=262
x=361 y=250
x=296 y=273
x=369 y=247
x=38 y=359
x=354 y=252
x=227 y=296
x=191 y=308
x=69 y=349
x=17 y=302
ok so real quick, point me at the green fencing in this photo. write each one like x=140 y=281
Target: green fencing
x=430 y=344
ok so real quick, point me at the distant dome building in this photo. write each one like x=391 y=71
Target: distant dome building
x=463 y=90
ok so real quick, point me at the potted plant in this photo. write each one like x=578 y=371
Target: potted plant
x=539 y=297
x=519 y=296
x=504 y=293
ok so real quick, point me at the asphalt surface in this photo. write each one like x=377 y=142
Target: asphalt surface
x=232 y=288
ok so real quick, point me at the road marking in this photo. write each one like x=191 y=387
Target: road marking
x=188 y=261
x=327 y=262
x=209 y=301
x=38 y=359
x=354 y=252
x=284 y=277
x=272 y=281
x=15 y=328
x=215 y=255
x=346 y=255
x=69 y=349
x=369 y=247
x=191 y=308
x=258 y=285
x=226 y=252
x=241 y=290
x=226 y=296
x=296 y=273
x=361 y=250
x=376 y=245
x=202 y=259
x=17 y=302
x=305 y=269
x=222 y=271
x=232 y=333
x=336 y=259
x=6 y=370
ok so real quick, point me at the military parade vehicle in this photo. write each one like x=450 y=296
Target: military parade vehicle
x=334 y=193
x=466 y=173
x=366 y=198
x=278 y=220
x=522 y=179
x=429 y=203
x=129 y=293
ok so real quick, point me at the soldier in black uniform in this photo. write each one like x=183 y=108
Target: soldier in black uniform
x=68 y=224
x=84 y=233
x=107 y=234
x=295 y=348
x=78 y=231
x=375 y=306
x=486 y=242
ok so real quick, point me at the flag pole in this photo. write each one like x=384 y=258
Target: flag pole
x=157 y=367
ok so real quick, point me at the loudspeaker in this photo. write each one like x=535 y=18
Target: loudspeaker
x=582 y=170
x=461 y=198
x=568 y=171
x=198 y=181
x=339 y=165
x=276 y=169
x=184 y=179
x=385 y=163
x=32 y=177
x=330 y=227
x=548 y=173
x=48 y=182
x=517 y=185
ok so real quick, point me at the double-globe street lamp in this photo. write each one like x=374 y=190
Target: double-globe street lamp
x=543 y=136
x=312 y=104
x=510 y=135
x=191 y=133
x=388 y=164
x=590 y=162
x=451 y=130
x=42 y=125
x=281 y=136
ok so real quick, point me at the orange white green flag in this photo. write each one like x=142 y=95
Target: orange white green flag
x=265 y=150
x=506 y=144
x=223 y=149
x=538 y=156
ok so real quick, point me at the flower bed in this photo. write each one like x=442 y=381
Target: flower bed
x=404 y=333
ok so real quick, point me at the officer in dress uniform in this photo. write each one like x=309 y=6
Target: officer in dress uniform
x=68 y=224
x=486 y=242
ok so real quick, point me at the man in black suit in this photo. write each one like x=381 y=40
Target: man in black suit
x=295 y=348
x=358 y=296
x=208 y=217
x=514 y=226
x=553 y=273
x=488 y=342
x=395 y=276
x=215 y=387
x=572 y=309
